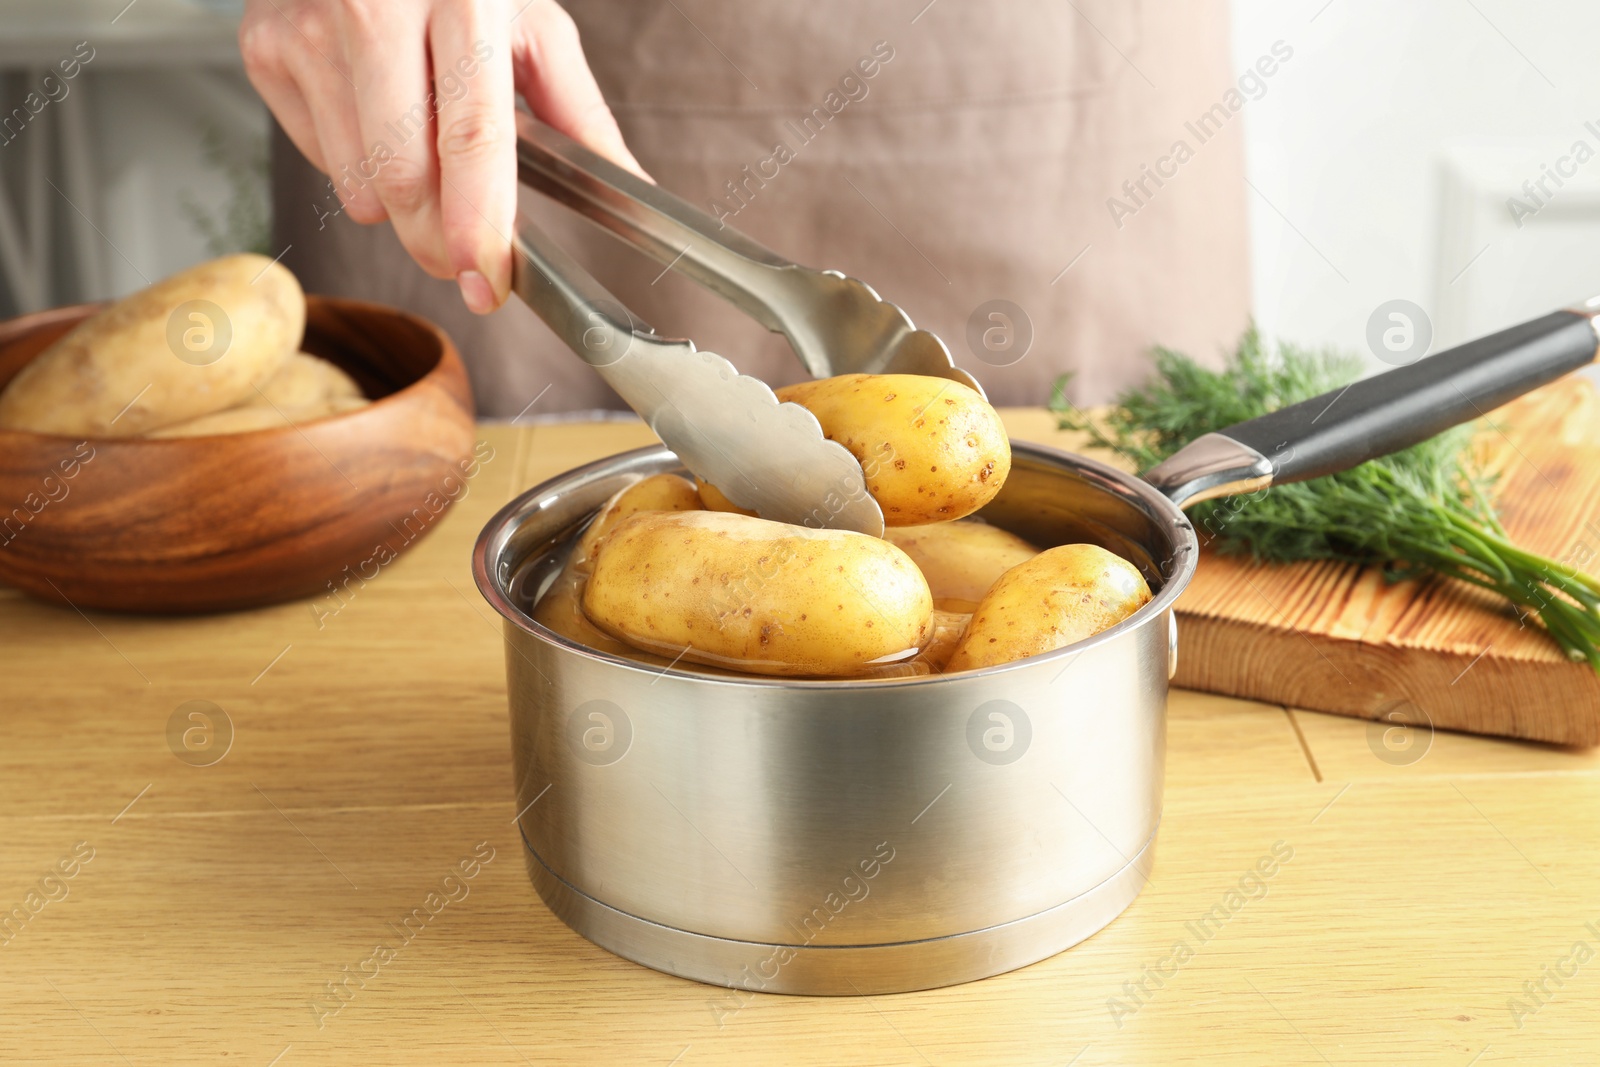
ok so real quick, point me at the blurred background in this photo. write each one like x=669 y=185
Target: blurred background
x=153 y=157
x=1383 y=161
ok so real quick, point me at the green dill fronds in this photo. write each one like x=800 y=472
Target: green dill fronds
x=1422 y=511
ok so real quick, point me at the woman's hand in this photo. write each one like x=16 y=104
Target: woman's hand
x=407 y=106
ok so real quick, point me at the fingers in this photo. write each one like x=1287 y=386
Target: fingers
x=387 y=45
x=554 y=78
x=265 y=53
x=294 y=53
x=331 y=104
x=476 y=146
x=408 y=106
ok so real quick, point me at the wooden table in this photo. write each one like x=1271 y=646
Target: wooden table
x=369 y=756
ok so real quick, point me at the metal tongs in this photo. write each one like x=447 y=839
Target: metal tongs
x=728 y=428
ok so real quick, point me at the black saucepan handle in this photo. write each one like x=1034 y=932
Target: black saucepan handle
x=1381 y=414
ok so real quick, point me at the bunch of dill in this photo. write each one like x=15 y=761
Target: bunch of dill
x=1421 y=511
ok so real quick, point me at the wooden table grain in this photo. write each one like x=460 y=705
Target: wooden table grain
x=1437 y=903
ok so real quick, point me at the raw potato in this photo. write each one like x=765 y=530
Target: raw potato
x=757 y=596
x=961 y=560
x=307 y=387
x=659 y=492
x=248 y=417
x=305 y=381
x=932 y=449
x=1058 y=597
x=115 y=374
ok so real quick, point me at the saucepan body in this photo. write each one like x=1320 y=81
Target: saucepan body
x=843 y=837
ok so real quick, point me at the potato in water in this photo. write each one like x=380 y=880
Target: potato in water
x=196 y=343
x=961 y=560
x=944 y=635
x=1058 y=597
x=932 y=449
x=659 y=492
x=757 y=596
x=713 y=500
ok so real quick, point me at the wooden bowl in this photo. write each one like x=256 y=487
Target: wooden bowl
x=196 y=524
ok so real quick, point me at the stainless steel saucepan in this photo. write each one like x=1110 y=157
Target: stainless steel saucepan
x=858 y=837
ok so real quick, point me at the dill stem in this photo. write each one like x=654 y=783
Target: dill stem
x=1567 y=579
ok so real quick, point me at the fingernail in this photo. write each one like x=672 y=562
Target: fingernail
x=476 y=291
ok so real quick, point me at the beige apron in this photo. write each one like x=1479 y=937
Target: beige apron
x=950 y=154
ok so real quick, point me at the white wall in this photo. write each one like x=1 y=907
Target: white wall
x=1391 y=144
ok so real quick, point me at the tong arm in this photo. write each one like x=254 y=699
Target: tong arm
x=665 y=227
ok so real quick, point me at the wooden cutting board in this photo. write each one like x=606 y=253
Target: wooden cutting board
x=1337 y=637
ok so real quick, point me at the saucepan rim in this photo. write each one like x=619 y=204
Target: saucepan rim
x=1185 y=557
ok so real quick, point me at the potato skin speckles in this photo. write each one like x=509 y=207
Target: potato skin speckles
x=113 y=375
x=1059 y=597
x=933 y=595
x=659 y=492
x=753 y=595
x=897 y=438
